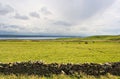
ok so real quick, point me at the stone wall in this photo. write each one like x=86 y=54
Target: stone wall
x=39 y=68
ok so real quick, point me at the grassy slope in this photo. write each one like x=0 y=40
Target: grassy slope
x=102 y=37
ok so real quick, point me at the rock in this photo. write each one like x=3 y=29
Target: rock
x=39 y=68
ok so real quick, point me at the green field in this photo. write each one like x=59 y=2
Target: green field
x=65 y=50
x=60 y=51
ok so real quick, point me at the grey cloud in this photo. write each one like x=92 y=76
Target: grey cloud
x=80 y=9
x=5 y=32
x=62 y=23
x=9 y=29
x=111 y=30
x=45 y=11
x=91 y=7
x=21 y=17
x=68 y=13
x=8 y=26
x=5 y=9
x=34 y=14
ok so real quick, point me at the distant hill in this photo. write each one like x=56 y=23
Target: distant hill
x=98 y=37
x=103 y=37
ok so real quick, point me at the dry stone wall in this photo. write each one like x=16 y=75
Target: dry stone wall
x=39 y=68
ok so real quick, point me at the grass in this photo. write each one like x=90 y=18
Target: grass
x=60 y=52
x=67 y=50
x=12 y=76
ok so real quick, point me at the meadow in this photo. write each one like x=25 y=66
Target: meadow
x=65 y=50
x=59 y=51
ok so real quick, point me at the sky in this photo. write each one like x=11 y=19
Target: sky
x=60 y=17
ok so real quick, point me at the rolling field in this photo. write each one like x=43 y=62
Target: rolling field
x=65 y=50
x=59 y=51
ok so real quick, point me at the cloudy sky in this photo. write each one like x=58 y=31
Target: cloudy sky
x=60 y=17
